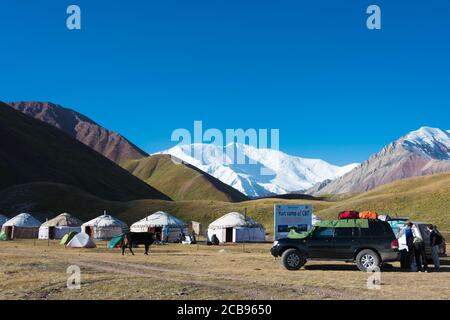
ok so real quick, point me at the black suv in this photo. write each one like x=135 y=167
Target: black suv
x=369 y=247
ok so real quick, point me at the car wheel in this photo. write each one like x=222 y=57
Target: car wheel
x=367 y=260
x=293 y=259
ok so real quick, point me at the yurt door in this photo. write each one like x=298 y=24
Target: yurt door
x=51 y=233
x=88 y=231
x=158 y=232
x=229 y=235
x=9 y=232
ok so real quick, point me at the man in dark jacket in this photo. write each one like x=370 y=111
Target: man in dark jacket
x=435 y=242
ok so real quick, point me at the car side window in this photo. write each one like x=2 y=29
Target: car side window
x=324 y=233
x=365 y=232
x=343 y=233
x=375 y=229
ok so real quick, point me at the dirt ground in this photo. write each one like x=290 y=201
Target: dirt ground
x=33 y=269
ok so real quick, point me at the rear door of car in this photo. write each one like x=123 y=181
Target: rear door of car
x=344 y=242
x=425 y=235
x=320 y=244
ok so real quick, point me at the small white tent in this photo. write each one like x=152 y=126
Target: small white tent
x=104 y=227
x=3 y=219
x=81 y=240
x=235 y=227
x=22 y=226
x=57 y=227
x=163 y=223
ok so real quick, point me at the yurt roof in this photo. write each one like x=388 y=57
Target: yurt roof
x=105 y=220
x=24 y=220
x=3 y=219
x=234 y=219
x=63 y=220
x=160 y=218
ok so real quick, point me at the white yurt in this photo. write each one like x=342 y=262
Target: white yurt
x=3 y=219
x=235 y=227
x=104 y=227
x=81 y=240
x=59 y=226
x=22 y=226
x=166 y=225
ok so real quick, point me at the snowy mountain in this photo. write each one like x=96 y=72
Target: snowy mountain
x=421 y=152
x=257 y=172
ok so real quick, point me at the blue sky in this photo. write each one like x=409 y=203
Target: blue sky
x=335 y=89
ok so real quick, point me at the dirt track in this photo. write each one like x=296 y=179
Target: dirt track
x=188 y=272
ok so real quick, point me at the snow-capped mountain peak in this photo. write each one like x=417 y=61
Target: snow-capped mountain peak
x=257 y=172
x=431 y=142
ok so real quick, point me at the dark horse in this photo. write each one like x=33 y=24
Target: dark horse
x=133 y=238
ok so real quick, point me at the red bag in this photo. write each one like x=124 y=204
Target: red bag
x=349 y=215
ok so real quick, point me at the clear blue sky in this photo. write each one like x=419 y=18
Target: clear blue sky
x=336 y=90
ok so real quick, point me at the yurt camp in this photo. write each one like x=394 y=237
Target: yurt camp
x=59 y=226
x=235 y=227
x=22 y=226
x=168 y=227
x=104 y=227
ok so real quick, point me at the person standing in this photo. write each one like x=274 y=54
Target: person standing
x=435 y=242
x=419 y=253
x=409 y=235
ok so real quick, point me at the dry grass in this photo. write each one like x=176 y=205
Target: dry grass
x=35 y=270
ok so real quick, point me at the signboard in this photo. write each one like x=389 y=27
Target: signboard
x=286 y=217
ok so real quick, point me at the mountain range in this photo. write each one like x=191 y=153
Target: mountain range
x=263 y=172
x=422 y=152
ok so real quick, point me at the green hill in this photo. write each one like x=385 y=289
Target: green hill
x=425 y=198
x=181 y=181
x=33 y=151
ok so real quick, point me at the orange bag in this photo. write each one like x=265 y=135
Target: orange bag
x=368 y=215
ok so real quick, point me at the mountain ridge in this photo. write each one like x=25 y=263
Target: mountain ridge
x=111 y=144
x=34 y=151
x=421 y=152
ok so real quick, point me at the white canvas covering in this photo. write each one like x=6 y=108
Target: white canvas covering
x=81 y=240
x=23 y=220
x=104 y=227
x=240 y=227
x=22 y=226
x=171 y=227
x=59 y=226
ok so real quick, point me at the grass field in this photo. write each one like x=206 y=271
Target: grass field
x=33 y=269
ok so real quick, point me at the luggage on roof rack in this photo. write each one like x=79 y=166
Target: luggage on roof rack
x=348 y=215
x=368 y=215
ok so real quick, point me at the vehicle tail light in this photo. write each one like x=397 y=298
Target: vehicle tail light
x=394 y=244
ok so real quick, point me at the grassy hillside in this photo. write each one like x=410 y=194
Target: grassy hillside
x=181 y=181
x=32 y=151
